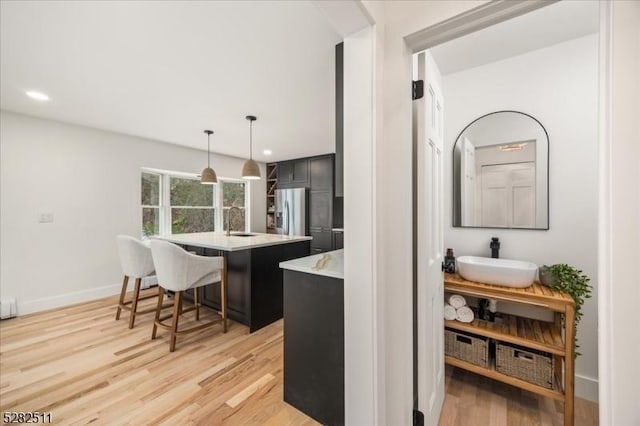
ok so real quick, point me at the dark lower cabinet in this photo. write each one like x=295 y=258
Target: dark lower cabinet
x=338 y=240
x=314 y=345
x=321 y=240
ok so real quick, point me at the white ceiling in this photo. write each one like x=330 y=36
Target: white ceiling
x=543 y=27
x=169 y=70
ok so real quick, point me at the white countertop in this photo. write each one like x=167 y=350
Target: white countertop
x=337 y=229
x=220 y=241
x=329 y=264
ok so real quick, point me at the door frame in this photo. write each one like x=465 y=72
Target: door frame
x=460 y=25
x=368 y=382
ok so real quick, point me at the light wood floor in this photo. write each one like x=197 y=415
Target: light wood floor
x=474 y=400
x=84 y=367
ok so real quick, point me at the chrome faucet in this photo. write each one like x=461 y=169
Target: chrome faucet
x=229 y=218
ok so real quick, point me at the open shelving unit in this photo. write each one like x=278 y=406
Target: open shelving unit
x=556 y=338
x=272 y=185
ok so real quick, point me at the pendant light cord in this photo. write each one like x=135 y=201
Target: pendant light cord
x=208 y=150
x=251 y=140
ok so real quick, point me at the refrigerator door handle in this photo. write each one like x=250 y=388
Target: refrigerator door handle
x=286 y=217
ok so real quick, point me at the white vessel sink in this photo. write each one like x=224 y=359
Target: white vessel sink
x=504 y=272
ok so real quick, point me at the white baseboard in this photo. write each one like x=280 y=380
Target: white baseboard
x=46 y=303
x=586 y=388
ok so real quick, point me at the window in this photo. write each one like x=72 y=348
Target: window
x=192 y=208
x=177 y=203
x=233 y=195
x=150 y=189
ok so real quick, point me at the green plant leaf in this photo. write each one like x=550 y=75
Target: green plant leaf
x=573 y=282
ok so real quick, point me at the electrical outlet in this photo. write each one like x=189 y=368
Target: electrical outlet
x=45 y=218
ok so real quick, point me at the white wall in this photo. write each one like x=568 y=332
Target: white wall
x=360 y=311
x=90 y=180
x=391 y=263
x=620 y=219
x=558 y=86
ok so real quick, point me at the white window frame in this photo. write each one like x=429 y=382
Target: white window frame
x=147 y=206
x=164 y=227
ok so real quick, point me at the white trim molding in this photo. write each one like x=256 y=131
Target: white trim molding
x=605 y=321
x=65 y=300
x=619 y=222
x=586 y=387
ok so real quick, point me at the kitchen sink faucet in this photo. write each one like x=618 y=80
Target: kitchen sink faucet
x=229 y=219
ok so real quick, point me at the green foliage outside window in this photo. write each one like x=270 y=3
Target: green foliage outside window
x=191 y=193
x=150 y=200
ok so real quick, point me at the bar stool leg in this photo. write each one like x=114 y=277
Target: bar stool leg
x=125 y=282
x=177 y=303
x=134 y=302
x=158 y=310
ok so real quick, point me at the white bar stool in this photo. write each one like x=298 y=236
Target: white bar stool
x=137 y=263
x=178 y=270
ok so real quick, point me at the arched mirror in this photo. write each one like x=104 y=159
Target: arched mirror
x=501 y=173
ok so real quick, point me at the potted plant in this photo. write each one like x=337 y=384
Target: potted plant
x=571 y=281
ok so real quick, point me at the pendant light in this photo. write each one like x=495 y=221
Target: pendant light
x=208 y=176
x=250 y=170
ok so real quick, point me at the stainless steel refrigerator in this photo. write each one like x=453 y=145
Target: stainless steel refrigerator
x=291 y=211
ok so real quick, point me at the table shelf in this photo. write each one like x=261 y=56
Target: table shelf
x=540 y=335
x=556 y=338
x=555 y=393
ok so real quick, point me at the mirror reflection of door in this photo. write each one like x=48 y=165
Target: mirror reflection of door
x=468 y=187
x=506 y=190
x=508 y=195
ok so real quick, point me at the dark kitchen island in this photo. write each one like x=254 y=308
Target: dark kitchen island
x=254 y=287
x=314 y=336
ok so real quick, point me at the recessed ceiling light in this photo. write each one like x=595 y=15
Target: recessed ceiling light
x=267 y=152
x=39 y=96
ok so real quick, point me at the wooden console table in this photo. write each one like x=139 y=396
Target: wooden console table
x=555 y=337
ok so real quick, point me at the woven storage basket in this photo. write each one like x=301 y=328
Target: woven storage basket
x=527 y=364
x=467 y=347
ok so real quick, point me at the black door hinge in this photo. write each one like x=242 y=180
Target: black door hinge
x=418 y=418
x=417 y=89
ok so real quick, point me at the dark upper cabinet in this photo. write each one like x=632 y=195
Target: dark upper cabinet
x=294 y=173
x=321 y=173
x=285 y=172
x=300 y=171
x=339 y=162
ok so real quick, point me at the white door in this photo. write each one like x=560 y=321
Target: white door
x=428 y=119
